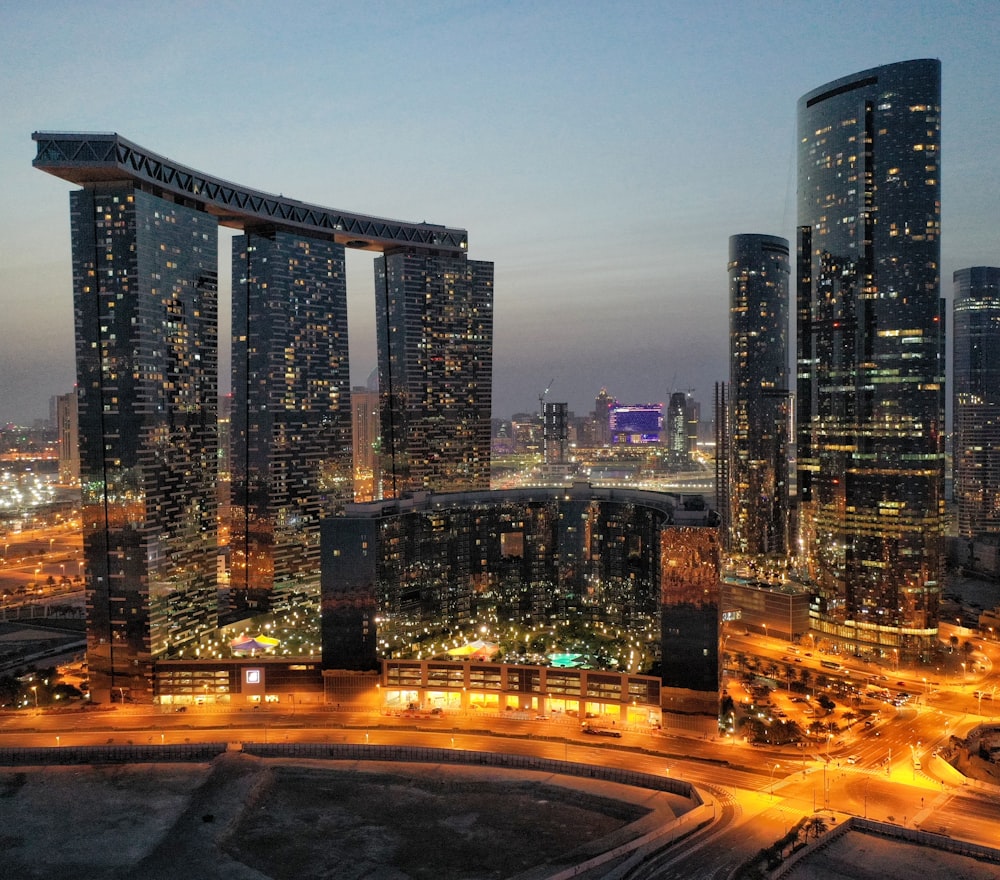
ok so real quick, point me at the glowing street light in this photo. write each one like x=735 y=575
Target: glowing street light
x=772 y=768
x=34 y=690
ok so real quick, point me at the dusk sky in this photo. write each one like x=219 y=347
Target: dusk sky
x=600 y=154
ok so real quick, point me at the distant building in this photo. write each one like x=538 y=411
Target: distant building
x=555 y=433
x=637 y=424
x=366 y=444
x=871 y=350
x=603 y=405
x=976 y=412
x=68 y=438
x=677 y=438
x=758 y=419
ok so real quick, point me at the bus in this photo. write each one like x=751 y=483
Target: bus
x=830 y=664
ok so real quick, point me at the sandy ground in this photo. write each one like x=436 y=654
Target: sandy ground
x=242 y=818
x=857 y=856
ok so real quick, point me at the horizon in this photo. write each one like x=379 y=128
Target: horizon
x=600 y=159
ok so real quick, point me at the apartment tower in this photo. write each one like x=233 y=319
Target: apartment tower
x=870 y=409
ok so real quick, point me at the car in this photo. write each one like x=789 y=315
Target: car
x=854 y=759
x=798 y=659
x=900 y=684
x=808 y=654
x=602 y=731
x=181 y=709
x=869 y=724
x=437 y=710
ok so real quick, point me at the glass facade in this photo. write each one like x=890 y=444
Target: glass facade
x=538 y=572
x=434 y=320
x=870 y=407
x=145 y=296
x=976 y=376
x=291 y=461
x=758 y=396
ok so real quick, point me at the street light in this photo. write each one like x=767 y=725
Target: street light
x=34 y=690
x=772 y=768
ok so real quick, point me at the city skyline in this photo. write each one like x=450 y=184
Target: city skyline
x=598 y=170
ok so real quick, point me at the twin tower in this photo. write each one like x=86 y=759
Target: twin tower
x=146 y=309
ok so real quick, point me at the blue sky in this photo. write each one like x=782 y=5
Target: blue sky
x=601 y=154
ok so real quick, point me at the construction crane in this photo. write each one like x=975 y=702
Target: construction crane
x=541 y=400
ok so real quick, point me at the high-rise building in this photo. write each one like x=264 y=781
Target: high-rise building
x=291 y=417
x=68 y=438
x=677 y=440
x=367 y=442
x=759 y=396
x=434 y=322
x=145 y=300
x=145 y=254
x=603 y=405
x=870 y=409
x=555 y=433
x=976 y=413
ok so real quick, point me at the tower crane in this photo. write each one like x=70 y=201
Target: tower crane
x=541 y=400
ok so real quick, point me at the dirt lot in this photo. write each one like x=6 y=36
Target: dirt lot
x=241 y=818
x=857 y=856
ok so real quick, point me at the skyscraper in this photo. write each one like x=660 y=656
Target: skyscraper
x=676 y=439
x=976 y=413
x=759 y=396
x=68 y=438
x=366 y=444
x=291 y=422
x=870 y=408
x=145 y=304
x=555 y=433
x=145 y=253
x=434 y=321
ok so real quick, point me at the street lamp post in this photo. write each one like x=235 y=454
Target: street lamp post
x=34 y=690
x=772 y=768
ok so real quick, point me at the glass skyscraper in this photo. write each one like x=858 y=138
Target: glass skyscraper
x=145 y=253
x=976 y=377
x=758 y=395
x=291 y=424
x=434 y=321
x=870 y=408
x=145 y=297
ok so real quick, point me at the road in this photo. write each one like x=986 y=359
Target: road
x=759 y=794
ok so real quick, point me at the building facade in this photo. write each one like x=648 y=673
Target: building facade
x=870 y=392
x=367 y=441
x=68 y=438
x=434 y=324
x=145 y=298
x=976 y=411
x=676 y=437
x=622 y=580
x=291 y=461
x=555 y=433
x=145 y=255
x=758 y=446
